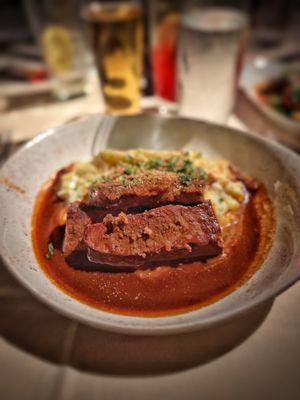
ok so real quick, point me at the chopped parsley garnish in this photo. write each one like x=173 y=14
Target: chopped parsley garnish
x=221 y=200
x=122 y=179
x=185 y=180
x=187 y=163
x=202 y=173
x=128 y=170
x=153 y=164
x=187 y=168
x=171 y=166
x=50 y=251
x=139 y=164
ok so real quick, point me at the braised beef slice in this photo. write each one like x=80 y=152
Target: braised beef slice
x=78 y=260
x=167 y=233
x=138 y=192
x=77 y=221
x=79 y=215
x=146 y=190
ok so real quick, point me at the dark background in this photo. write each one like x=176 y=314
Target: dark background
x=271 y=13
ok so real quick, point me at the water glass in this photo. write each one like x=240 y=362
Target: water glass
x=211 y=45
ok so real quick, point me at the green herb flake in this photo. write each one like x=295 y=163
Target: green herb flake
x=171 y=166
x=187 y=162
x=122 y=179
x=202 y=173
x=188 y=167
x=140 y=164
x=185 y=180
x=221 y=200
x=128 y=170
x=50 y=251
x=153 y=164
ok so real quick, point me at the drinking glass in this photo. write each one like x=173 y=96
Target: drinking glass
x=211 y=46
x=164 y=25
x=56 y=24
x=115 y=32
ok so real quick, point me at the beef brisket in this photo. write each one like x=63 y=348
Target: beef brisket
x=79 y=215
x=77 y=221
x=167 y=233
x=147 y=190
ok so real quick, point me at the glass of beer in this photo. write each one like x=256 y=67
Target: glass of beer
x=212 y=41
x=115 y=32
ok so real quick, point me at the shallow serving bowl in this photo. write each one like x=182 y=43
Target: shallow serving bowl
x=261 y=72
x=23 y=175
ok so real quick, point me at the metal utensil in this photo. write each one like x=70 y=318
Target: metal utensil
x=5 y=146
x=102 y=133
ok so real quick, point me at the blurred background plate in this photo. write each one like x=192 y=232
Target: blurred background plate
x=263 y=70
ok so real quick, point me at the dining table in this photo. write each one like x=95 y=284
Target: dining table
x=46 y=356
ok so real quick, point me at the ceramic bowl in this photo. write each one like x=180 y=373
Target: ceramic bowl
x=263 y=71
x=24 y=174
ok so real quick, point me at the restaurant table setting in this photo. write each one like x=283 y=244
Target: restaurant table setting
x=154 y=75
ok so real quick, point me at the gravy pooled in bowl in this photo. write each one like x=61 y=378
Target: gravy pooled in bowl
x=151 y=233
